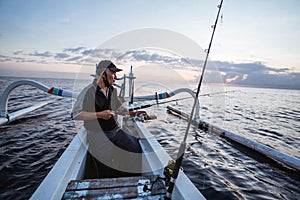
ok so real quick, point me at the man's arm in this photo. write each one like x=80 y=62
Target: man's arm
x=105 y=114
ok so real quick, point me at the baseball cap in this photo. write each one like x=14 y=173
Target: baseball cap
x=106 y=64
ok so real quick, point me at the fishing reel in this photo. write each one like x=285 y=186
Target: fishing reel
x=142 y=116
x=168 y=171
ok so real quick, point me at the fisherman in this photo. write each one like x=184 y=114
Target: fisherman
x=97 y=105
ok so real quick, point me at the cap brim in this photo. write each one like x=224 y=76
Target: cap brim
x=114 y=69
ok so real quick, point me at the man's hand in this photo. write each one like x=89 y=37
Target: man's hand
x=139 y=112
x=106 y=114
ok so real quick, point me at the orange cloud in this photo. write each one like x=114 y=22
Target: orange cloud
x=229 y=80
x=245 y=76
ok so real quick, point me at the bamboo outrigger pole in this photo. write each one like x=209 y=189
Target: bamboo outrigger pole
x=183 y=143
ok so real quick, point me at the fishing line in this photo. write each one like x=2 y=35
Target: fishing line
x=183 y=144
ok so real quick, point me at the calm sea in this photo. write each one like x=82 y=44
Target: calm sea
x=220 y=169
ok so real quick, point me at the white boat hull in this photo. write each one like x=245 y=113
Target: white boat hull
x=71 y=166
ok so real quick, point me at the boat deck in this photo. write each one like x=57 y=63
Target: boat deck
x=137 y=187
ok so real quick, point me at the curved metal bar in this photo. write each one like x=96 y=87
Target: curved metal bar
x=52 y=90
x=170 y=94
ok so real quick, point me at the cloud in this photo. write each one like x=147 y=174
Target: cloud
x=76 y=58
x=44 y=54
x=249 y=74
x=245 y=76
x=74 y=50
x=154 y=56
x=87 y=52
x=103 y=53
x=61 y=55
x=258 y=75
x=229 y=80
x=5 y=58
x=245 y=68
x=18 y=52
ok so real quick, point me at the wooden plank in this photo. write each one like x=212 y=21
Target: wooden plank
x=106 y=183
x=110 y=193
x=114 y=196
x=107 y=193
x=153 y=197
x=113 y=188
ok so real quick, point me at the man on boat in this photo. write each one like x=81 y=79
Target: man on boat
x=97 y=105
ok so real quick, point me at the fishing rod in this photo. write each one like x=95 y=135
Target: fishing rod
x=132 y=93
x=183 y=143
x=149 y=105
x=153 y=104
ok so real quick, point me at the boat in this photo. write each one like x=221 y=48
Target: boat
x=66 y=180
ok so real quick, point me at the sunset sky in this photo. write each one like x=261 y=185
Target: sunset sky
x=52 y=35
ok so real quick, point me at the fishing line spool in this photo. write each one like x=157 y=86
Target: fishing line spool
x=168 y=171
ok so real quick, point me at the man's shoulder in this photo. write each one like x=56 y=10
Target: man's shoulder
x=90 y=88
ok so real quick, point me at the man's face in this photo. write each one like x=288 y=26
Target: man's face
x=111 y=76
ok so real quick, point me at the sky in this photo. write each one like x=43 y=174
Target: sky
x=254 y=40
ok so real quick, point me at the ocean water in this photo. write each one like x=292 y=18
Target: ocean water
x=220 y=169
